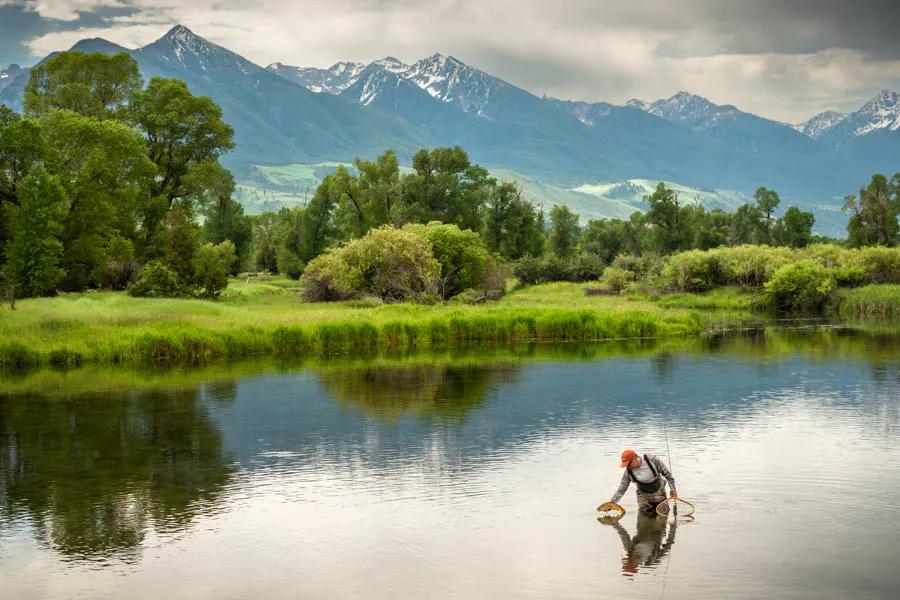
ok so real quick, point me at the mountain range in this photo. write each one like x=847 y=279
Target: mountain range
x=286 y=114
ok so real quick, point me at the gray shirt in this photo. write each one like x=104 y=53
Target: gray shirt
x=644 y=475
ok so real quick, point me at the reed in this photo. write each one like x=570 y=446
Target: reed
x=871 y=302
x=113 y=328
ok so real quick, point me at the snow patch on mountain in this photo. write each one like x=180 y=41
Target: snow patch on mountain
x=442 y=77
x=882 y=112
x=820 y=123
x=182 y=46
x=688 y=109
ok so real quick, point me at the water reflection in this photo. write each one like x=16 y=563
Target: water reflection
x=653 y=540
x=390 y=392
x=455 y=476
x=92 y=473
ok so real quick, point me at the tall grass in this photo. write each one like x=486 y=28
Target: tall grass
x=880 y=302
x=114 y=328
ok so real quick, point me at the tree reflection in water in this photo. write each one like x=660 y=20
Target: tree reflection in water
x=442 y=390
x=93 y=473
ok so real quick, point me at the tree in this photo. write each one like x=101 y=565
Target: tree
x=794 y=229
x=106 y=174
x=225 y=220
x=711 y=228
x=668 y=225
x=564 y=231
x=513 y=228
x=21 y=146
x=34 y=249
x=182 y=240
x=368 y=200
x=767 y=201
x=264 y=242
x=874 y=213
x=185 y=133
x=746 y=226
x=445 y=187
x=90 y=84
x=604 y=238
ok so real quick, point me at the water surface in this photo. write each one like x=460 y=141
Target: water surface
x=467 y=476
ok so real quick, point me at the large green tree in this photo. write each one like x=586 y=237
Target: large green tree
x=794 y=229
x=670 y=227
x=513 y=227
x=564 y=231
x=34 y=249
x=446 y=187
x=873 y=213
x=106 y=174
x=767 y=201
x=91 y=84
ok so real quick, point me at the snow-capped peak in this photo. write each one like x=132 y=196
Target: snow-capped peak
x=820 y=123
x=444 y=78
x=183 y=47
x=391 y=64
x=881 y=112
x=691 y=110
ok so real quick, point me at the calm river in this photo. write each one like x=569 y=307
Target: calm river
x=465 y=476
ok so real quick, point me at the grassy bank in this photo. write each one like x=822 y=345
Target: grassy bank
x=268 y=318
x=872 y=302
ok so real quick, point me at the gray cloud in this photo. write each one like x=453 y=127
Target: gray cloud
x=783 y=59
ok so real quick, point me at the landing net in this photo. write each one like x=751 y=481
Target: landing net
x=675 y=507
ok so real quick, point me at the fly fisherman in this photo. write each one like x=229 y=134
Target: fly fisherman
x=647 y=473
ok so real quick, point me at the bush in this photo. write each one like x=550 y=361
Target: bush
x=389 y=263
x=616 y=279
x=156 y=280
x=802 y=286
x=327 y=278
x=750 y=265
x=881 y=265
x=587 y=267
x=210 y=265
x=692 y=271
x=641 y=266
x=528 y=270
x=461 y=254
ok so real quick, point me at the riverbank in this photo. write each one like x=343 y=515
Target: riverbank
x=268 y=318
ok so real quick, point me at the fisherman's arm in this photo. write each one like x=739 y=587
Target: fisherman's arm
x=663 y=469
x=623 y=487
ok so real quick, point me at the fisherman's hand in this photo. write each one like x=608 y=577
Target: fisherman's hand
x=673 y=494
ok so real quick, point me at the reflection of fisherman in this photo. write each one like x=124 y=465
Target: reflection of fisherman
x=647 y=547
x=647 y=473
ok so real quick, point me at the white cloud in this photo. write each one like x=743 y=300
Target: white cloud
x=581 y=50
x=67 y=10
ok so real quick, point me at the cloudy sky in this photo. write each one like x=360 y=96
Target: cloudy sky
x=784 y=59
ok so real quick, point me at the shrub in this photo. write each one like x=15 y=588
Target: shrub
x=555 y=268
x=617 y=280
x=390 y=263
x=751 y=265
x=802 y=286
x=461 y=254
x=327 y=278
x=881 y=265
x=156 y=280
x=641 y=266
x=210 y=265
x=587 y=267
x=692 y=271
x=528 y=270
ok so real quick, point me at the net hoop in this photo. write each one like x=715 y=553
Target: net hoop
x=611 y=510
x=685 y=508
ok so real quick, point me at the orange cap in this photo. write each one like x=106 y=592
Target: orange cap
x=627 y=456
